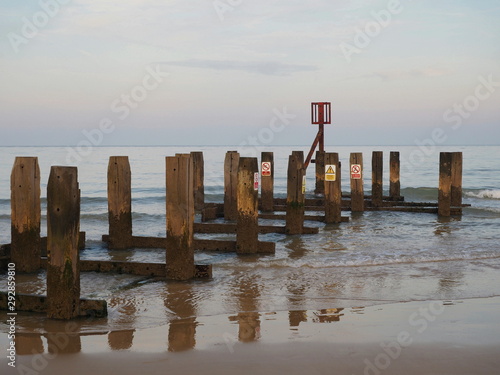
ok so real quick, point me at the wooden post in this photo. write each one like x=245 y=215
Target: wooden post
x=230 y=182
x=63 y=228
x=357 y=190
x=456 y=179
x=320 y=172
x=25 y=214
x=444 y=195
x=247 y=227
x=198 y=176
x=119 y=202
x=333 y=192
x=395 y=185
x=377 y=175
x=180 y=218
x=267 y=183
x=295 y=197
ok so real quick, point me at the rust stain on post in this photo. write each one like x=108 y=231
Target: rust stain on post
x=357 y=189
x=394 y=175
x=180 y=218
x=320 y=172
x=444 y=194
x=63 y=228
x=119 y=202
x=377 y=176
x=198 y=180
x=247 y=227
x=267 y=183
x=333 y=191
x=25 y=214
x=231 y=163
x=295 y=198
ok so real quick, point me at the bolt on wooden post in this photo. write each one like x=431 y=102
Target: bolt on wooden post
x=333 y=192
x=267 y=182
x=444 y=194
x=377 y=175
x=456 y=179
x=63 y=228
x=247 y=227
x=119 y=202
x=295 y=197
x=198 y=176
x=180 y=218
x=357 y=190
x=231 y=163
x=394 y=175
x=25 y=214
x=320 y=172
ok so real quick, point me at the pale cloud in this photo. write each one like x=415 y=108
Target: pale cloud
x=261 y=67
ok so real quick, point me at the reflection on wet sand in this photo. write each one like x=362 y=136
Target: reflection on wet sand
x=65 y=341
x=247 y=293
x=123 y=339
x=27 y=344
x=182 y=328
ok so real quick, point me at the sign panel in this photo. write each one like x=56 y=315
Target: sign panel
x=356 y=171
x=266 y=168
x=330 y=172
x=304 y=185
x=256 y=181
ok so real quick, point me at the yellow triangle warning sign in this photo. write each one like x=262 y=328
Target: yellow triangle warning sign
x=330 y=170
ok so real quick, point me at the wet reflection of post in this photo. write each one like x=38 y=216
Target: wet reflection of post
x=182 y=328
x=63 y=338
x=248 y=318
x=123 y=339
x=29 y=344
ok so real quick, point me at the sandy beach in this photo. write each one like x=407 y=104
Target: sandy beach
x=425 y=337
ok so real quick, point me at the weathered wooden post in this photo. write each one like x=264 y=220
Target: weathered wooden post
x=395 y=167
x=63 y=228
x=333 y=191
x=119 y=202
x=444 y=195
x=230 y=182
x=456 y=179
x=198 y=176
x=267 y=182
x=295 y=197
x=357 y=190
x=25 y=214
x=320 y=172
x=377 y=175
x=247 y=227
x=180 y=218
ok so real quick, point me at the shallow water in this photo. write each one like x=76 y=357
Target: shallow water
x=375 y=258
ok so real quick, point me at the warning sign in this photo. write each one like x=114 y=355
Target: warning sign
x=304 y=185
x=256 y=181
x=266 y=168
x=356 y=171
x=330 y=172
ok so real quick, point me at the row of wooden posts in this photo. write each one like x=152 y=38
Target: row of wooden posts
x=185 y=196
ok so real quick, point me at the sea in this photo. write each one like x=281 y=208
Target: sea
x=376 y=258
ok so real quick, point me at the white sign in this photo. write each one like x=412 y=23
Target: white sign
x=266 y=168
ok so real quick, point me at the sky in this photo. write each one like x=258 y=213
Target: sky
x=236 y=72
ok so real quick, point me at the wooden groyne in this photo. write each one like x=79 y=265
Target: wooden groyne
x=184 y=176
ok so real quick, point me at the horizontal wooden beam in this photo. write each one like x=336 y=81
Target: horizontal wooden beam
x=38 y=303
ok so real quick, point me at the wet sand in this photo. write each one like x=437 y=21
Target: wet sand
x=430 y=337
